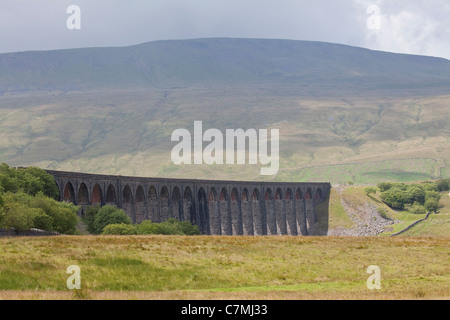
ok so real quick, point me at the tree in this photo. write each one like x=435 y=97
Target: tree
x=8 y=179
x=109 y=215
x=416 y=194
x=432 y=205
x=394 y=198
x=384 y=186
x=443 y=185
x=34 y=180
x=30 y=180
x=64 y=215
x=19 y=216
x=432 y=195
x=89 y=217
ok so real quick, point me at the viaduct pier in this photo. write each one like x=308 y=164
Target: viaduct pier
x=217 y=207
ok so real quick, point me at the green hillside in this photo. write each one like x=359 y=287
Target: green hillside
x=128 y=133
x=354 y=213
x=344 y=113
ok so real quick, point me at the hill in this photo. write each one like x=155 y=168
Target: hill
x=354 y=213
x=344 y=113
x=217 y=62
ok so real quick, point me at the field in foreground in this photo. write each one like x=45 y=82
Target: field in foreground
x=175 y=267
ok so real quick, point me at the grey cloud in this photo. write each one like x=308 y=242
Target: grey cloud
x=40 y=25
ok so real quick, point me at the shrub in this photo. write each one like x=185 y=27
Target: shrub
x=400 y=195
x=432 y=195
x=89 y=217
x=8 y=179
x=169 y=227
x=370 y=190
x=64 y=215
x=384 y=186
x=394 y=198
x=383 y=213
x=119 y=229
x=30 y=180
x=147 y=227
x=19 y=216
x=43 y=221
x=189 y=229
x=443 y=185
x=34 y=180
x=418 y=209
x=109 y=215
x=432 y=205
x=416 y=194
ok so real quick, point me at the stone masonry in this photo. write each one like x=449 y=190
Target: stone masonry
x=217 y=207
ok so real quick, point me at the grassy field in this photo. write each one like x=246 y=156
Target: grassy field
x=413 y=265
x=175 y=267
x=436 y=225
x=403 y=170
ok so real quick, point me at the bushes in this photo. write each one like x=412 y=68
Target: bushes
x=28 y=200
x=443 y=185
x=394 y=198
x=20 y=216
x=147 y=227
x=108 y=215
x=417 y=198
x=112 y=221
x=189 y=229
x=119 y=229
x=432 y=205
x=23 y=212
x=418 y=209
x=169 y=227
x=30 y=180
x=89 y=217
x=63 y=215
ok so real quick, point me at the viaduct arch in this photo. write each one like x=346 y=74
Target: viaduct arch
x=217 y=207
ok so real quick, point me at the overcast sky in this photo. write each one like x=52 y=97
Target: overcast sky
x=405 y=26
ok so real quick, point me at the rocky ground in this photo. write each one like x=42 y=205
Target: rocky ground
x=367 y=220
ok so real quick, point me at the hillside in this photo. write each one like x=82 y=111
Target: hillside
x=353 y=213
x=344 y=113
x=216 y=62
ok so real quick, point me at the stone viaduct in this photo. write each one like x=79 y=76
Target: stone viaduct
x=217 y=207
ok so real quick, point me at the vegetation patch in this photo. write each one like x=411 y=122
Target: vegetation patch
x=27 y=200
x=406 y=170
x=219 y=267
x=109 y=220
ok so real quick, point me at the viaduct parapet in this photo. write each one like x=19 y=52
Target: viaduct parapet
x=217 y=207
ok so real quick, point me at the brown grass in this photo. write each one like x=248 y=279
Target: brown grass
x=175 y=267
